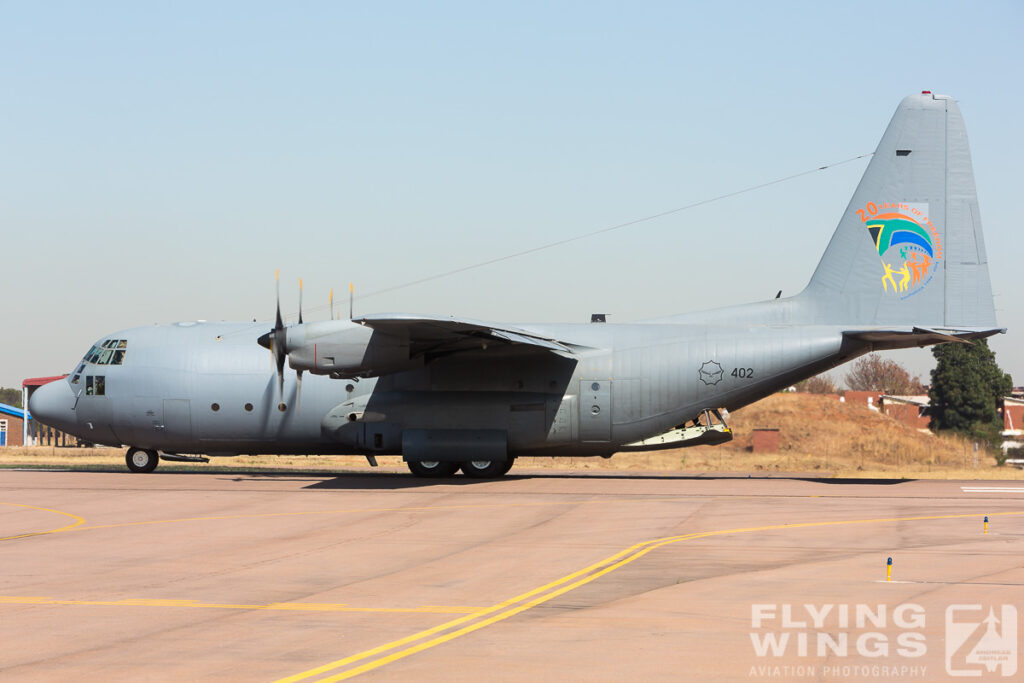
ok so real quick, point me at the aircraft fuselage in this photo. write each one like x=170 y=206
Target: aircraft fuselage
x=209 y=388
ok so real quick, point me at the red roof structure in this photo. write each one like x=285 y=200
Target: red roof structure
x=40 y=381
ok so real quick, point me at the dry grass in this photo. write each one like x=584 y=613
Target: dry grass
x=819 y=436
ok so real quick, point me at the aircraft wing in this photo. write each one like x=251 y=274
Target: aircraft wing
x=906 y=337
x=439 y=336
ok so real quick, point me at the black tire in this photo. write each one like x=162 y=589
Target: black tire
x=139 y=460
x=486 y=469
x=433 y=468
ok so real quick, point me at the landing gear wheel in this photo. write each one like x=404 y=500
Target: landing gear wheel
x=487 y=469
x=140 y=460
x=432 y=468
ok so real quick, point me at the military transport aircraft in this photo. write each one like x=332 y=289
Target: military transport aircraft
x=905 y=267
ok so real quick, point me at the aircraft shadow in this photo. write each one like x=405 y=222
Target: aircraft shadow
x=389 y=480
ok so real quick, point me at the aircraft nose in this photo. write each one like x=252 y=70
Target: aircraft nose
x=53 y=404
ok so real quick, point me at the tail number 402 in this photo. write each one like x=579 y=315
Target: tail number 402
x=743 y=373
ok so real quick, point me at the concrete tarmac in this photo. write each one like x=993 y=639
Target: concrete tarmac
x=539 y=576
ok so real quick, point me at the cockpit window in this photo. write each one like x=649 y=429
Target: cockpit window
x=110 y=352
x=101 y=385
x=92 y=353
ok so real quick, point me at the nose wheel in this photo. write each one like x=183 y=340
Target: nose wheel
x=140 y=460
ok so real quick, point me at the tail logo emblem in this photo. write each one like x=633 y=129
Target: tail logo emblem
x=907 y=243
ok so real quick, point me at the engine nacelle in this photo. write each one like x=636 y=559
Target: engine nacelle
x=343 y=348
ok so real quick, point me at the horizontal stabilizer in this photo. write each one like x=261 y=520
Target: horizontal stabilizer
x=902 y=338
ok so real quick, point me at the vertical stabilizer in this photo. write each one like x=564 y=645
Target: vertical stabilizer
x=909 y=248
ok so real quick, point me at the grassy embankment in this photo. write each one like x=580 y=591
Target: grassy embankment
x=819 y=436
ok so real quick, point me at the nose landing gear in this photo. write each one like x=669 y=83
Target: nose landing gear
x=140 y=460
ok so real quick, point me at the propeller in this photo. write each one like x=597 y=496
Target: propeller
x=276 y=340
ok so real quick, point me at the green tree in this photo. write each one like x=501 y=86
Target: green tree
x=966 y=387
x=11 y=397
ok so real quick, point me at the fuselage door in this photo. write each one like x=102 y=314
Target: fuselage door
x=177 y=419
x=595 y=410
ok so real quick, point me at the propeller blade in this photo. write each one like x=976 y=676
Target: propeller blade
x=279 y=364
x=298 y=390
x=300 y=300
x=332 y=303
x=277 y=283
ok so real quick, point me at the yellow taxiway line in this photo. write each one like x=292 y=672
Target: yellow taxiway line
x=444 y=633
x=79 y=521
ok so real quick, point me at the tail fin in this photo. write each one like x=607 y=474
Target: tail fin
x=909 y=248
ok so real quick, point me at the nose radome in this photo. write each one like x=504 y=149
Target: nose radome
x=53 y=404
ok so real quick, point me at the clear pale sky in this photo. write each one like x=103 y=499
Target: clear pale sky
x=158 y=160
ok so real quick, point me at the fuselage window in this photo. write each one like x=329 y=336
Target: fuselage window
x=88 y=385
x=101 y=385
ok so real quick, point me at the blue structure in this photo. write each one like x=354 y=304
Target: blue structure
x=19 y=413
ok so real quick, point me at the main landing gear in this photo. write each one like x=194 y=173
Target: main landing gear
x=433 y=468
x=140 y=460
x=477 y=469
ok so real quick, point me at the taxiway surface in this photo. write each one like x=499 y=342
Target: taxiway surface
x=545 y=576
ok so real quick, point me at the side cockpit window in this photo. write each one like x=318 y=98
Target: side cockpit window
x=95 y=385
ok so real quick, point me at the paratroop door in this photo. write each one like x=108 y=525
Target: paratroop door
x=595 y=410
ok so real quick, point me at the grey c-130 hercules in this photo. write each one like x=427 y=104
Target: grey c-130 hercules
x=906 y=267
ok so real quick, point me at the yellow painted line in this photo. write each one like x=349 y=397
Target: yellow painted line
x=78 y=522
x=553 y=589
x=274 y=606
